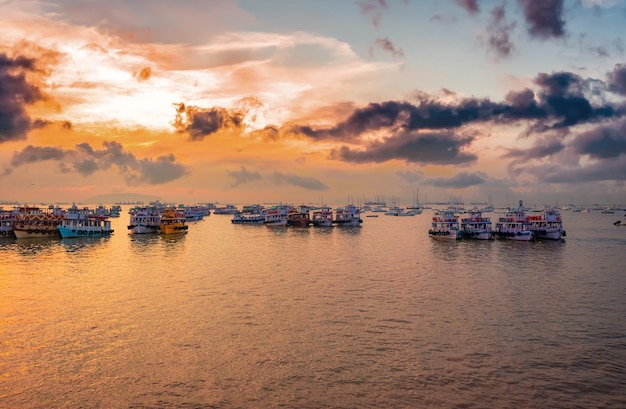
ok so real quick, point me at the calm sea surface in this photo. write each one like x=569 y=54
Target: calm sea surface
x=232 y=316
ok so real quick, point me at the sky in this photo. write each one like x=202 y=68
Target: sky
x=326 y=101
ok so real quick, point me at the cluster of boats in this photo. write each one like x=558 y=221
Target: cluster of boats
x=298 y=216
x=514 y=225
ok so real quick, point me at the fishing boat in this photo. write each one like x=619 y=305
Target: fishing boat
x=348 y=216
x=548 y=225
x=476 y=226
x=445 y=225
x=34 y=222
x=173 y=222
x=322 y=217
x=514 y=225
x=145 y=220
x=84 y=223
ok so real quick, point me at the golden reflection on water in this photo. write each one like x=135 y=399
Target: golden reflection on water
x=251 y=316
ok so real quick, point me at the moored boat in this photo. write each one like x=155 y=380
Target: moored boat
x=445 y=225
x=299 y=217
x=277 y=215
x=34 y=222
x=322 y=217
x=173 y=222
x=84 y=223
x=145 y=220
x=514 y=226
x=476 y=226
x=249 y=214
x=548 y=225
x=348 y=216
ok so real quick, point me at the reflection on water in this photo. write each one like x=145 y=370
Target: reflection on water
x=376 y=316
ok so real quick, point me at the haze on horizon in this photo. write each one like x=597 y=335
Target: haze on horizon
x=297 y=101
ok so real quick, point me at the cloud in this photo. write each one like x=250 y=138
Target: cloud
x=541 y=149
x=617 y=79
x=85 y=160
x=499 y=40
x=243 y=176
x=459 y=181
x=603 y=142
x=386 y=45
x=544 y=18
x=199 y=123
x=15 y=93
x=373 y=9
x=410 y=176
x=442 y=148
x=471 y=6
x=299 y=181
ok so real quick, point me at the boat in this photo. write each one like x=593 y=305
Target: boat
x=514 y=226
x=322 y=217
x=84 y=223
x=7 y=219
x=34 y=222
x=193 y=213
x=476 y=226
x=445 y=224
x=348 y=216
x=548 y=225
x=228 y=209
x=145 y=220
x=277 y=215
x=299 y=217
x=173 y=222
x=250 y=214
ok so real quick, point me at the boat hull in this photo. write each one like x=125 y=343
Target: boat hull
x=88 y=231
x=517 y=236
x=478 y=235
x=144 y=229
x=445 y=234
x=35 y=233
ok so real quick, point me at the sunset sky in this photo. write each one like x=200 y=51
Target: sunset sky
x=309 y=101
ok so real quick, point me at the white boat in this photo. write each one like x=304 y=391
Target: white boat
x=145 y=220
x=7 y=218
x=250 y=214
x=445 y=224
x=548 y=225
x=277 y=215
x=476 y=226
x=228 y=209
x=514 y=226
x=34 y=222
x=84 y=223
x=349 y=216
x=322 y=217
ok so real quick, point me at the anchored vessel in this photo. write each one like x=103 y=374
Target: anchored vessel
x=476 y=226
x=445 y=224
x=34 y=222
x=84 y=223
x=514 y=226
x=173 y=222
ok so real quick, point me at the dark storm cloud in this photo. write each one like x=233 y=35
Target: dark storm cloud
x=602 y=142
x=299 y=181
x=471 y=6
x=199 y=123
x=243 y=176
x=544 y=18
x=15 y=93
x=85 y=160
x=541 y=149
x=33 y=154
x=432 y=148
x=617 y=79
x=459 y=181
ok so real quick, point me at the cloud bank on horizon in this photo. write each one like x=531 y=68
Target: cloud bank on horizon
x=465 y=98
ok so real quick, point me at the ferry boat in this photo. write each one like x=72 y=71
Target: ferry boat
x=514 y=226
x=349 y=216
x=277 y=215
x=145 y=220
x=7 y=219
x=228 y=209
x=34 y=222
x=322 y=217
x=445 y=224
x=476 y=226
x=84 y=223
x=299 y=217
x=548 y=225
x=250 y=214
x=173 y=222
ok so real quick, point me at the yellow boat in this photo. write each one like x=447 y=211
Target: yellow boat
x=173 y=222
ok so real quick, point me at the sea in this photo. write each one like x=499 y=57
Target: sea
x=378 y=316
